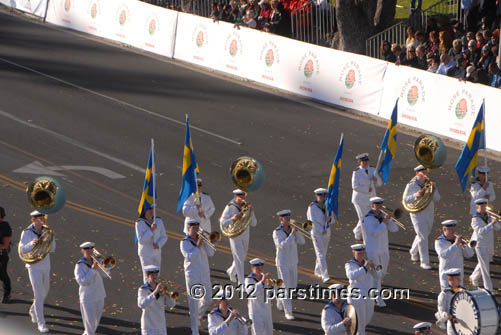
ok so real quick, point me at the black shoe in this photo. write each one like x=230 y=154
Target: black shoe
x=6 y=299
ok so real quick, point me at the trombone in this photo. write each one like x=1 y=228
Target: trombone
x=465 y=242
x=165 y=290
x=274 y=282
x=492 y=212
x=242 y=319
x=209 y=238
x=304 y=228
x=394 y=214
x=104 y=263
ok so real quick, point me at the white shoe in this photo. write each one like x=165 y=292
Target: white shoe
x=279 y=306
x=33 y=317
x=326 y=279
x=474 y=282
x=381 y=303
x=43 y=329
x=233 y=278
x=289 y=316
x=414 y=257
x=425 y=266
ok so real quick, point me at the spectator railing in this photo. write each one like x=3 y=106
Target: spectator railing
x=449 y=8
x=314 y=23
x=393 y=34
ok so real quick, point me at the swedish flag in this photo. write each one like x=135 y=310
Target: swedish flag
x=467 y=161
x=389 y=145
x=190 y=170
x=147 y=199
x=331 y=203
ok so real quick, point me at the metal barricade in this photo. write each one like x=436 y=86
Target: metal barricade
x=449 y=8
x=314 y=23
x=393 y=34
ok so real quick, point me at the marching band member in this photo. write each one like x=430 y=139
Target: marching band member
x=39 y=272
x=334 y=319
x=200 y=210
x=375 y=227
x=223 y=320
x=321 y=232
x=196 y=272
x=481 y=188
x=451 y=252
x=444 y=319
x=286 y=239
x=362 y=182
x=151 y=237
x=152 y=302
x=361 y=274
x=5 y=239
x=259 y=308
x=91 y=289
x=422 y=220
x=484 y=235
x=239 y=244
x=422 y=328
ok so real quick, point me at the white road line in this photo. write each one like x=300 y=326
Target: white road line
x=121 y=102
x=71 y=141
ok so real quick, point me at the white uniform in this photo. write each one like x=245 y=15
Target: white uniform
x=361 y=182
x=91 y=293
x=375 y=233
x=321 y=234
x=39 y=273
x=153 y=316
x=148 y=255
x=332 y=319
x=444 y=306
x=190 y=211
x=259 y=310
x=450 y=256
x=360 y=278
x=478 y=192
x=287 y=260
x=196 y=272
x=484 y=235
x=422 y=221
x=240 y=244
x=217 y=326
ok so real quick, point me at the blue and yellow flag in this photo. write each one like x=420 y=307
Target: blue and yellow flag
x=467 y=161
x=389 y=145
x=147 y=199
x=331 y=203
x=190 y=170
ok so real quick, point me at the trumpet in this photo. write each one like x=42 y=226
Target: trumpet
x=209 y=238
x=165 y=290
x=372 y=267
x=242 y=319
x=304 y=228
x=492 y=212
x=104 y=263
x=274 y=282
x=465 y=242
x=394 y=214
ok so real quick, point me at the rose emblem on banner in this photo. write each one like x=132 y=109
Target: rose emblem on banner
x=269 y=58
x=200 y=39
x=122 y=19
x=67 y=5
x=413 y=95
x=233 y=48
x=152 y=27
x=350 y=79
x=309 y=68
x=93 y=10
x=461 y=108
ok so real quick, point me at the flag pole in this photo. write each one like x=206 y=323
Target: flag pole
x=485 y=144
x=154 y=179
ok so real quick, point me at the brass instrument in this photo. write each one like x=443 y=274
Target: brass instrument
x=274 y=282
x=243 y=320
x=492 y=212
x=40 y=249
x=104 y=263
x=394 y=214
x=465 y=242
x=424 y=200
x=352 y=314
x=209 y=238
x=165 y=290
x=373 y=267
x=304 y=228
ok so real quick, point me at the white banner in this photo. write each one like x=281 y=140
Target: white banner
x=35 y=7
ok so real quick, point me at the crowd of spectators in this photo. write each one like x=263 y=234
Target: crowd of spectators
x=449 y=50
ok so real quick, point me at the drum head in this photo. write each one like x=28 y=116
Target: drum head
x=475 y=313
x=352 y=314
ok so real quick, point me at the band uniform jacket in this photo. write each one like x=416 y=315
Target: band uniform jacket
x=218 y=326
x=190 y=211
x=153 y=316
x=226 y=218
x=478 y=192
x=444 y=306
x=196 y=260
x=332 y=319
x=450 y=256
x=321 y=220
x=375 y=233
x=359 y=276
x=361 y=182
x=146 y=237
x=27 y=244
x=286 y=245
x=409 y=196
x=90 y=282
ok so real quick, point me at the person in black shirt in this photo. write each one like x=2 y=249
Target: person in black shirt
x=5 y=237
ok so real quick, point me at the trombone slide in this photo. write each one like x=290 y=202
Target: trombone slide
x=303 y=228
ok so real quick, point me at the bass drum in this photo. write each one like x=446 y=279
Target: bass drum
x=352 y=314
x=475 y=313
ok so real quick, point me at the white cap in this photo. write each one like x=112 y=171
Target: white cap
x=483 y=169
x=481 y=201
x=284 y=212
x=337 y=286
x=151 y=268
x=364 y=156
x=453 y=272
x=193 y=222
x=357 y=247
x=87 y=245
x=256 y=261
x=36 y=213
x=320 y=190
x=419 y=168
x=422 y=325
x=199 y=181
x=449 y=223
x=238 y=192
x=376 y=200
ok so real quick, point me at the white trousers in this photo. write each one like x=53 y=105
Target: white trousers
x=482 y=269
x=380 y=258
x=365 y=310
x=289 y=274
x=150 y=260
x=239 y=247
x=153 y=331
x=362 y=208
x=262 y=323
x=198 y=307
x=91 y=315
x=40 y=283
x=321 y=245
x=422 y=227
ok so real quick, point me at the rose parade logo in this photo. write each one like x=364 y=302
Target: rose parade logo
x=413 y=91
x=462 y=104
x=67 y=5
x=461 y=108
x=93 y=10
x=309 y=68
x=152 y=26
x=122 y=18
x=269 y=54
x=270 y=58
x=349 y=81
x=412 y=95
x=200 y=39
x=233 y=44
x=308 y=64
x=351 y=75
x=233 y=48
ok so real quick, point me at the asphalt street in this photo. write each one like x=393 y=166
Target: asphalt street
x=85 y=111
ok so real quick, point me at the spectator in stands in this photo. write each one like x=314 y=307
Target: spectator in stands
x=479 y=37
x=470 y=36
x=248 y=18
x=433 y=43
x=410 y=57
x=236 y=17
x=473 y=53
x=214 y=14
x=243 y=7
x=482 y=77
x=279 y=19
x=486 y=34
x=459 y=70
x=420 y=38
x=220 y=10
x=445 y=41
x=471 y=74
x=385 y=51
x=445 y=64
x=255 y=8
x=458 y=31
x=471 y=15
x=396 y=50
x=485 y=58
x=421 y=57
x=456 y=50
x=264 y=14
x=227 y=16
x=411 y=38
x=433 y=62
x=495 y=75
x=494 y=38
